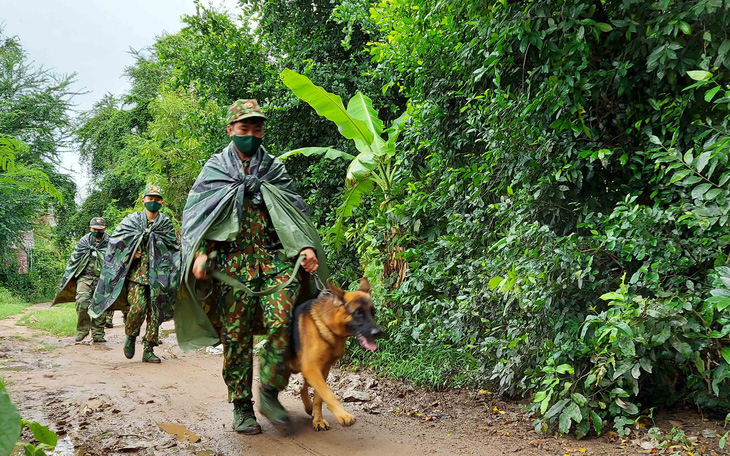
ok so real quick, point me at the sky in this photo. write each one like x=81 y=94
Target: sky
x=92 y=38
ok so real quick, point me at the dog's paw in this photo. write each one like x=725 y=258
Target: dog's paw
x=346 y=419
x=320 y=425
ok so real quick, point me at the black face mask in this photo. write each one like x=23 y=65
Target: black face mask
x=97 y=234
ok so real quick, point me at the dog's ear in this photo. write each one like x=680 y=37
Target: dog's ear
x=365 y=285
x=336 y=291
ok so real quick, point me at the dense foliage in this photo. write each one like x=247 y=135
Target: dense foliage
x=555 y=224
x=34 y=124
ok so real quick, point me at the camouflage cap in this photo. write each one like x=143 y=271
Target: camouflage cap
x=244 y=109
x=97 y=223
x=152 y=190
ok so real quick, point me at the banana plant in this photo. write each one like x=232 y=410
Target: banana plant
x=372 y=169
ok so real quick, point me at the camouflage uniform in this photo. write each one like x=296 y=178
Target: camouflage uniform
x=138 y=296
x=253 y=258
x=85 y=286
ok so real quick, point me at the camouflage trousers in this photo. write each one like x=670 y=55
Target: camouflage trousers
x=237 y=312
x=85 y=286
x=140 y=307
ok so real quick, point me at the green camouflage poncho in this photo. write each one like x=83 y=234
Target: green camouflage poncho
x=164 y=264
x=76 y=265
x=213 y=212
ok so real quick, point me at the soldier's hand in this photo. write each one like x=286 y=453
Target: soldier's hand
x=198 y=270
x=310 y=263
x=138 y=254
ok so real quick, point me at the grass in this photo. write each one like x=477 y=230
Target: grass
x=59 y=320
x=424 y=365
x=10 y=304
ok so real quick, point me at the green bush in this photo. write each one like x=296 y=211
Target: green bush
x=558 y=151
x=45 y=271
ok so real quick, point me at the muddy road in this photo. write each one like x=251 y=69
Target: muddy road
x=100 y=403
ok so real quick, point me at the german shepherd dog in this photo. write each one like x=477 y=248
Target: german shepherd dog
x=319 y=332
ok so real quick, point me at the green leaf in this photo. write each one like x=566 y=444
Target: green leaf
x=712 y=194
x=540 y=396
x=395 y=130
x=710 y=94
x=702 y=161
x=679 y=175
x=9 y=424
x=361 y=108
x=700 y=190
x=353 y=199
x=699 y=75
x=565 y=368
x=545 y=402
x=688 y=157
x=726 y=354
x=602 y=26
x=328 y=153
x=685 y=28
x=556 y=408
x=682 y=347
x=597 y=422
x=327 y=105
x=494 y=282
x=360 y=167
x=43 y=434
x=579 y=399
x=573 y=411
x=612 y=296
x=564 y=423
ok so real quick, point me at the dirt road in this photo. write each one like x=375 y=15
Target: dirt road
x=104 y=404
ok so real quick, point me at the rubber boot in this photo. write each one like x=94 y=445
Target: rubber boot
x=81 y=336
x=271 y=407
x=148 y=356
x=244 y=419
x=129 y=347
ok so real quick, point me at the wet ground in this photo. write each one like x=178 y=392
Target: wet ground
x=100 y=403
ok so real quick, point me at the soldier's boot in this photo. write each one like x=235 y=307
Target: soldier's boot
x=129 y=347
x=81 y=336
x=271 y=407
x=148 y=356
x=244 y=419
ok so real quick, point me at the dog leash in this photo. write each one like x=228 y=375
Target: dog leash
x=233 y=283
x=323 y=290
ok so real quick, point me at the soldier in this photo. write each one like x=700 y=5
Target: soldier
x=245 y=207
x=80 y=278
x=144 y=258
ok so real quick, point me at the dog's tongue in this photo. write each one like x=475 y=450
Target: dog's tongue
x=367 y=344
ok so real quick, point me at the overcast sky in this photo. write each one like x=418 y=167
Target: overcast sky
x=92 y=38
